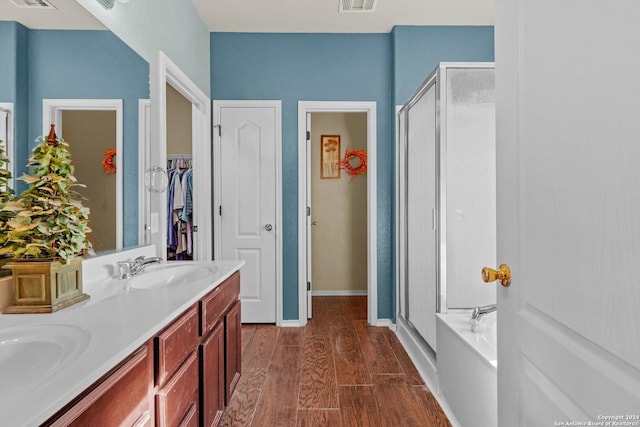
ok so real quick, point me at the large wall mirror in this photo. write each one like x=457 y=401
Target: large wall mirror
x=67 y=64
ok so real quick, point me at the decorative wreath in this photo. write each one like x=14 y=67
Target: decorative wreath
x=357 y=169
x=109 y=162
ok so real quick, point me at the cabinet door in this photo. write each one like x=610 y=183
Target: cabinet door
x=232 y=349
x=212 y=376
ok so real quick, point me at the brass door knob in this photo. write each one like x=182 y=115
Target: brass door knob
x=503 y=275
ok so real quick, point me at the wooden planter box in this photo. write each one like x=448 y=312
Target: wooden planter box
x=45 y=286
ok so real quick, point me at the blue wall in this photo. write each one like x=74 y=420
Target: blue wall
x=14 y=82
x=417 y=50
x=313 y=67
x=8 y=60
x=386 y=68
x=82 y=65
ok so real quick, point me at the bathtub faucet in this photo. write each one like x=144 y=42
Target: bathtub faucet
x=478 y=312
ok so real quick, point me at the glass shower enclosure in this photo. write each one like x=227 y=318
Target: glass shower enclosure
x=447 y=196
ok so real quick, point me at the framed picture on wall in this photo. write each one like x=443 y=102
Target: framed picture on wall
x=329 y=156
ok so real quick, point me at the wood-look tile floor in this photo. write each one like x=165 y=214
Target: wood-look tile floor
x=336 y=371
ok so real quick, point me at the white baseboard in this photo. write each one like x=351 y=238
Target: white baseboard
x=347 y=293
x=386 y=323
x=290 y=324
x=426 y=366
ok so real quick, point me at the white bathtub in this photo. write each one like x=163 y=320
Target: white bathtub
x=467 y=368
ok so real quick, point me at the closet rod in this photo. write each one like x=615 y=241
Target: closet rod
x=179 y=156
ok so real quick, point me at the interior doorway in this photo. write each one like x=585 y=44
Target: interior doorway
x=6 y=136
x=168 y=80
x=90 y=134
x=339 y=216
x=180 y=196
x=91 y=127
x=306 y=208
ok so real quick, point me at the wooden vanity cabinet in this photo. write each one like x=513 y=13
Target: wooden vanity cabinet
x=220 y=349
x=184 y=376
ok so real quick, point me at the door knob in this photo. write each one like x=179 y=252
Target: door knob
x=268 y=227
x=503 y=275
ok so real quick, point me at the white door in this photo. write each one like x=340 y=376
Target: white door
x=568 y=156
x=247 y=210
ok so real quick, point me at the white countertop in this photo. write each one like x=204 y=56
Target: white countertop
x=117 y=322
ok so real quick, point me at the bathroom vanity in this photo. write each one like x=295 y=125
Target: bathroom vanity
x=158 y=350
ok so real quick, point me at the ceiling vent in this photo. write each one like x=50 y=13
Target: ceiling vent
x=357 y=5
x=107 y=4
x=34 y=4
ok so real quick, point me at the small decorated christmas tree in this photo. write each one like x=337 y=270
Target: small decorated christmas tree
x=50 y=221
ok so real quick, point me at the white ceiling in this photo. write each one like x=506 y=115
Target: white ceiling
x=322 y=16
x=285 y=16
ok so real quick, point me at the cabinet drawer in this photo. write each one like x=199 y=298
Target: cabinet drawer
x=214 y=305
x=179 y=397
x=175 y=343
x=120 y=398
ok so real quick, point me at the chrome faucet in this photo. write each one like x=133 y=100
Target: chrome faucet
x=130 y=269
x=478 y=312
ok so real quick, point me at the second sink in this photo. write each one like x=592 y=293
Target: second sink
x=171 y=274
x=30 y=354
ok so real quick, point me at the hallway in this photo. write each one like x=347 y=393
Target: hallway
x=336 y=371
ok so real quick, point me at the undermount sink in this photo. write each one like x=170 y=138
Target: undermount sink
x=32 y=354
x=170 y=274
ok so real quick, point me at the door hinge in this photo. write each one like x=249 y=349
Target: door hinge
x=194 y=228
x=308 y=136
x=308 y=211
x=220 y=210
x=308 y=286
x=219 y=129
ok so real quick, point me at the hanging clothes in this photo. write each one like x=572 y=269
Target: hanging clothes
x=172 y=237
x=180 y=210
x=187 y=210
